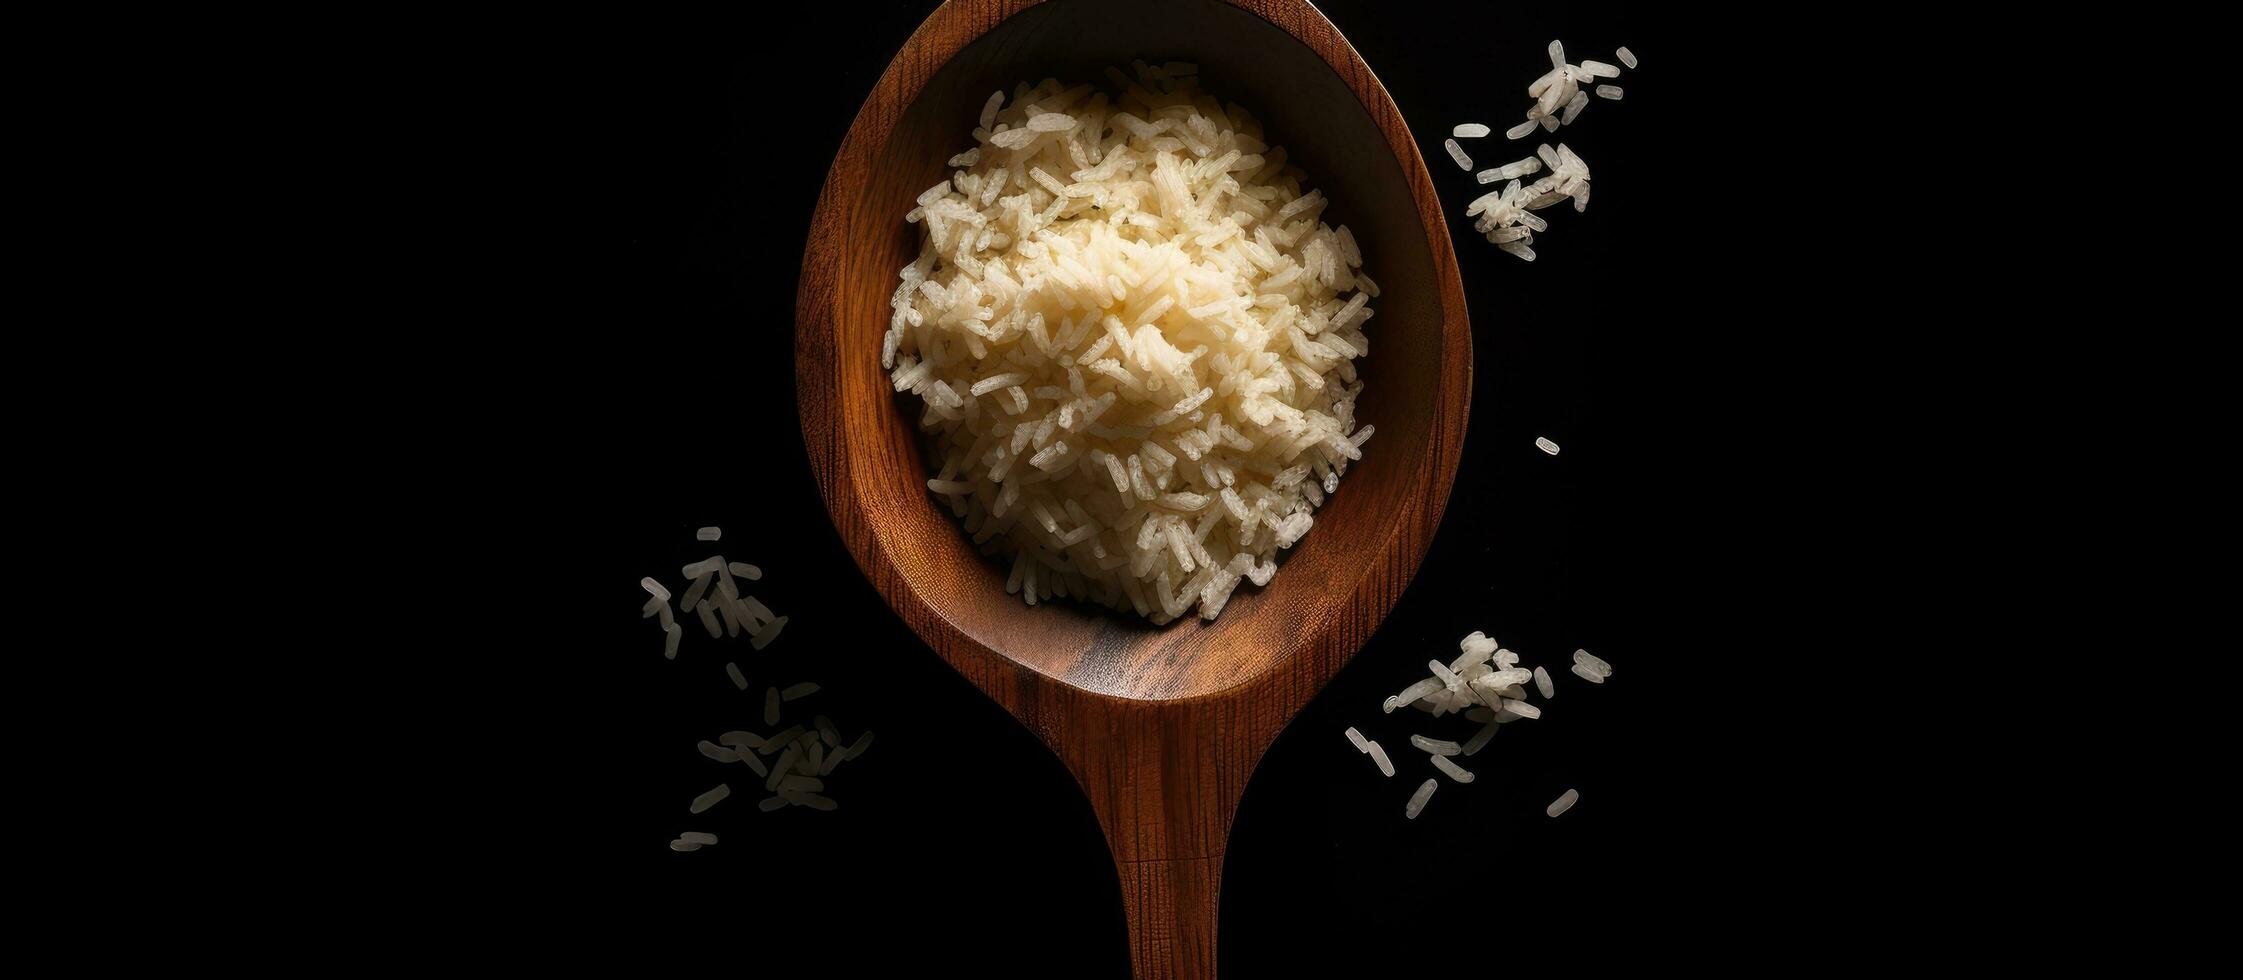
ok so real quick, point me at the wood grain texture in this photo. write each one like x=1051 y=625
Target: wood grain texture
x=1162 y=726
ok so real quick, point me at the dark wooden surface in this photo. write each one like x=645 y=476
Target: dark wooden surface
x=1162 y=727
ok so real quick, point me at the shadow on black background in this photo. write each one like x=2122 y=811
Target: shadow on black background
x=960 y=839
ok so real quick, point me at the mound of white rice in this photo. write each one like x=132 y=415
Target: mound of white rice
x=1134 y=339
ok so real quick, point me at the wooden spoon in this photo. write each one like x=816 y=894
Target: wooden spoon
x=1161 y=725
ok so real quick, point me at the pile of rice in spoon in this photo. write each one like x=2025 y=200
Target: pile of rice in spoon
x=1134 y=339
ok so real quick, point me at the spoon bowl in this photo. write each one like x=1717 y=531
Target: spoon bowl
x=1161 y=725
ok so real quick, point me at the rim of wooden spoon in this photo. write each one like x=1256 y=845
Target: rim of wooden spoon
x=839 y=455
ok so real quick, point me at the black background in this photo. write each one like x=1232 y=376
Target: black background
x=960 y=840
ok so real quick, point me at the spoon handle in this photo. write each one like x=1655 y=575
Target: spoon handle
x=1165 y=780
x=1171 y=905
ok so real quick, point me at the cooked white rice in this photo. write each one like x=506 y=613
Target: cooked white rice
x=739 y=680
x=1627 y=57
x=1469 y=131
x=1543 y=683
x=708 y=534
x=1545 y=445
x=656 y=588
x=1133 y=335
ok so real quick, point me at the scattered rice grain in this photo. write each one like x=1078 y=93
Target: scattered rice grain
x=1563 y=803
x=1378 y=755
x=1451 y=769
x=1417 y=799
x=712 y=797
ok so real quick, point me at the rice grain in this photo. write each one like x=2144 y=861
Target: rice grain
x=712 y=797
x=1479 y=739
x=1089 y=328
x=1417 y=799
x=1378 y=755
x=764 y=636
x=783 y=765
x=1435 y=746
x=1457 y=154
x=1451 y=769
x=1563 y=803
